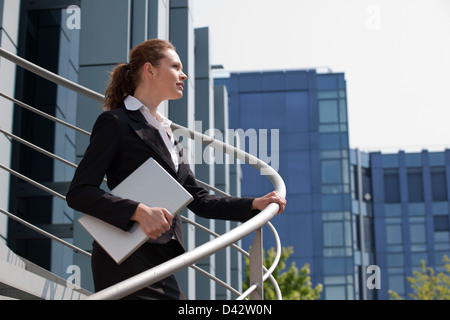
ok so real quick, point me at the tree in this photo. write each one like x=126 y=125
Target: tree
x=294 y=285
x=428 y=285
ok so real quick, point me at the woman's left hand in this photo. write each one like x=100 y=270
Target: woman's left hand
x=263 y=202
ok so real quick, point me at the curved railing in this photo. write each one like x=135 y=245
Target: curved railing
x=258 y=274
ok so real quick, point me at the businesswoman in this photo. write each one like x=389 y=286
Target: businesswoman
x=125 y=135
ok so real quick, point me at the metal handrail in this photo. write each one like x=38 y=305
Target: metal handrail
x=42 y=187
x=77 y=249
x=51 y=76
x=178 y=263
x=43 y=232
x=43 y=114
x=189 y=258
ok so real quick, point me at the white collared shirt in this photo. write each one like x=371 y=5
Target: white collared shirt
x=163 y=126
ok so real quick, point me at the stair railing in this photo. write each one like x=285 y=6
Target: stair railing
x=258 y=273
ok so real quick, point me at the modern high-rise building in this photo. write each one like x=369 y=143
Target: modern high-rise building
x=300 y=121
x=362 y=221
x=405 y=204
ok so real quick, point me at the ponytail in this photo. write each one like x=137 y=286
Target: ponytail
x=118 y=89
x=125 y=77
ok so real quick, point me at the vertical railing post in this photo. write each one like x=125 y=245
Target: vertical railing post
x=256 y=266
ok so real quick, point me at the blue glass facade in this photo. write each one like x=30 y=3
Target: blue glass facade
x=410 y=214
x=347 y=211
x=306 y=114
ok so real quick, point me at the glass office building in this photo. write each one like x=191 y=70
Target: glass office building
x=363 y=221
x=406 y=203
x=302 y=116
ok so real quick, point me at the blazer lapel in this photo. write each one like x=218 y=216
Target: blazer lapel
x=150 y=135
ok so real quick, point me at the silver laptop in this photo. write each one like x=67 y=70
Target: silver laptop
x=149 y=184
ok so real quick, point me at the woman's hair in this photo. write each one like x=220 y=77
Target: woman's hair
x=125 y=77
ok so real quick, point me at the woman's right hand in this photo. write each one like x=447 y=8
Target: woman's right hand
x=153 y=221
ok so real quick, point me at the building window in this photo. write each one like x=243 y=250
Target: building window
x=397 y=283
x=391 y=186
x=395 y=260
x=335 y=293
x=417 y=257
x=333 y=233
x=366 y=183
x=441 y=240
x=328 y=111
x=343 y=110
x=415 y=185
x=438 y=184
x=327 y=94
x=417 y=233
x=331 y=172
x=394 y=234
x=441 y=223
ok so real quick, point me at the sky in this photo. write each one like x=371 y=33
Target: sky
x=395 y=55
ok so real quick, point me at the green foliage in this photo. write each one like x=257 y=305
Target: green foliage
x=428 y=285
x=294 y=285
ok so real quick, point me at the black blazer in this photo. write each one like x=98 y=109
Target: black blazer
x=121 y=141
